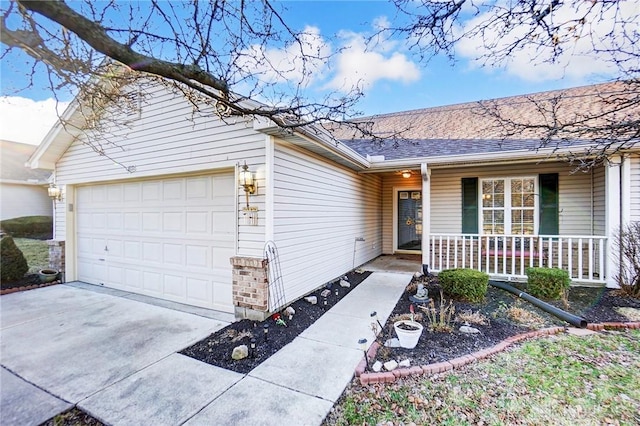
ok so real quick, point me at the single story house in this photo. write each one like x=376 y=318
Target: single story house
x=176 y=222
x=23 y=191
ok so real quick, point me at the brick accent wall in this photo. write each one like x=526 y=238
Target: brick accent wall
x=56 y=257
x=250 y=287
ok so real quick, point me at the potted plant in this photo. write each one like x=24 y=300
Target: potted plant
x=408 y=331
x=48 y=275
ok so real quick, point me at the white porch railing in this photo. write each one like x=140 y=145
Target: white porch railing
x=508 y=256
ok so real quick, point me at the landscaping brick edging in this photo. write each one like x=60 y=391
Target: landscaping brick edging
x=441 y=367
x=25 y=288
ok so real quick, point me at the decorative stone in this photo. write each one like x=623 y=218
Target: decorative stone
x=290 y=312
x=240 y=352
x=405 y=363
x=390 y=365
x=417 y=275
x=392 y=343
x=345 y=283
x=468 y=330
x=325 y=293
x=311 y=299
x=377 y=366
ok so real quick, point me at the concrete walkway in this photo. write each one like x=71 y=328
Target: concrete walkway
x=116 y=359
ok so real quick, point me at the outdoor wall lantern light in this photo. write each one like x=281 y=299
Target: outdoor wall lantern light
x=245 y=177
x=55 y=193
x=363 y=345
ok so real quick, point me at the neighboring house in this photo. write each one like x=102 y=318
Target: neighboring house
x=23 y=191
x=176 y=224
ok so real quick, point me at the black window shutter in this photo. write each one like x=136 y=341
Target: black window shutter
x=470 y=205
x=548 y=204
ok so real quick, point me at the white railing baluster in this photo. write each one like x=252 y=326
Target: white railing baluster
x=580 y=258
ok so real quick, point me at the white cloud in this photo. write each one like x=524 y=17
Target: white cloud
x=27 y=121
x=280 y=65
x=577 y=62
x=357 y=65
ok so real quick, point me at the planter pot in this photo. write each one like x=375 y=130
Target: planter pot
x=48 y=275
x=408 y=333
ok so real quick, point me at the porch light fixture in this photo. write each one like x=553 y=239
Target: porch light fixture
x=406 y=174
x=55 y=193
x=247 y=181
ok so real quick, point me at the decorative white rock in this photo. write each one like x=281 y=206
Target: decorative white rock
x=290 y=312
x=325 y=293
x=345 y=284
x=390 y=365
x=405 y=363
x=392 y=343
x=377 y=366
x=417 y=275
x=311 y=299
x=240 y=352
x=468 y=330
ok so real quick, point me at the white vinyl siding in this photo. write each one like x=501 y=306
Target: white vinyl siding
x=320 y=209
x=598 y=177
x=168 y=139
x=635 y=187
x=574 y=195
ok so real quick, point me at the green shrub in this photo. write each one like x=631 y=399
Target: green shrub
x=547 y=283
x=466 y=284
x=13 y=265
x=37 y=227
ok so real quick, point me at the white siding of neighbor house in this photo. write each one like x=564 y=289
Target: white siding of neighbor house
x=166 y=138
x=635 y=188
x=320 y=210
x=18 y=200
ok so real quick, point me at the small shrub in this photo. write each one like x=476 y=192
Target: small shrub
x=37 y=227
x=465 y=284
x=626 y=250
x=525 y=317
x=471 y=317
x=13 y=265
x=547 y=283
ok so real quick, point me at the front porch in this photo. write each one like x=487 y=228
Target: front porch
x=506 y=257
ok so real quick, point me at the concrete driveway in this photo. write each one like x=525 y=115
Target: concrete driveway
x=65 y=345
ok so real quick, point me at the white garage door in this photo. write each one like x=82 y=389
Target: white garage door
x=168 y=238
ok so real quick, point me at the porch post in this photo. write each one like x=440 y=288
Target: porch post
x=613 y=214
x=426 y=215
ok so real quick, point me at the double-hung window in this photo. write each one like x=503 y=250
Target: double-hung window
x=508 y=206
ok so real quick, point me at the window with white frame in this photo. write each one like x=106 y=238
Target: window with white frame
x=508 y=206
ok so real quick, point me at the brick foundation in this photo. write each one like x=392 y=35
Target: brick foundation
x=250 y=287
x=56 y=257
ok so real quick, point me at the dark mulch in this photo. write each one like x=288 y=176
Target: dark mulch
x=26 y=281
x=73 y=417
x=217 y=348
x=593 y=304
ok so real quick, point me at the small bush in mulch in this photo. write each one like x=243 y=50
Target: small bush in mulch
x=216 y=349
x=13 y=265
x=547 y=283
x=466 y=284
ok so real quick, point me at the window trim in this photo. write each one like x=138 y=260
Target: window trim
x=507 y=203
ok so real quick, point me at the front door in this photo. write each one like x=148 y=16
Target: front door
x=409 y=223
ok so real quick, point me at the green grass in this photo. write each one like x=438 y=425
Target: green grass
x=35 y=251
x=558 y=380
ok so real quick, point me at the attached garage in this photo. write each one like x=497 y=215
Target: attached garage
x=170 y=238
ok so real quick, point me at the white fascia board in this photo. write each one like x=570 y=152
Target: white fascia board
x=486 y=158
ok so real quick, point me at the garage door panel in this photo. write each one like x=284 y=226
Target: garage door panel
x=168 y=238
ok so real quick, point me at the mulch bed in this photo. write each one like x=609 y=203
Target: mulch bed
x=28 y=282
x=217 y=348
x=596 y=305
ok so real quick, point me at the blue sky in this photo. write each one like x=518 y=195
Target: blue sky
x=394 y=78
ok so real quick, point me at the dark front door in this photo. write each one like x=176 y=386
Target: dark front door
x=409 y=220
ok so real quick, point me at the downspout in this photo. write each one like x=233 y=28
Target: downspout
x=574 y=320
